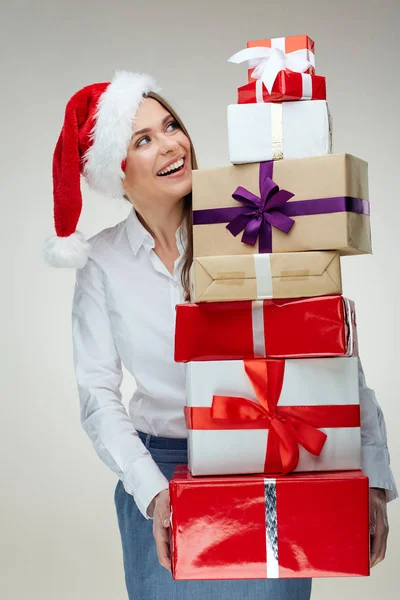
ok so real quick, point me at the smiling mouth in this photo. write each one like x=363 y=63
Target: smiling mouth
x=173 y=169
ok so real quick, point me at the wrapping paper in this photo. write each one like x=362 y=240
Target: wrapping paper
x=288 y=86
x=260 y=207
x=288 y=45
x=252 y=527
x=272 y=131
x=273 y=416
x=261 y=276
x=314 y=327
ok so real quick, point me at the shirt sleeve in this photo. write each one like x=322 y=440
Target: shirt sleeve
x=99 y=375
x=374 y=450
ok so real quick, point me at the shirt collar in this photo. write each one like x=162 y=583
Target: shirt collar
x=138 y=235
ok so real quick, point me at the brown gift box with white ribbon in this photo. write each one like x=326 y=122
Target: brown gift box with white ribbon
x=259 y=276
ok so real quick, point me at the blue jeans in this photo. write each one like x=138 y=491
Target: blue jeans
x=146 y=579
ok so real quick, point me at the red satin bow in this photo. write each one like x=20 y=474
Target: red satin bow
x=288 y=426
x=286 y=429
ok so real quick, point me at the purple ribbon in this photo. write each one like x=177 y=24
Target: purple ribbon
x=257 y=215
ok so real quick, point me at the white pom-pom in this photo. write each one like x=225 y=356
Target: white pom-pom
x=71 y=251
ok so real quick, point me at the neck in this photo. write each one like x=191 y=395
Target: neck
x=162 y=222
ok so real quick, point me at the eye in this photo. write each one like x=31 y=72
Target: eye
x=146 y=137
x=173 y=124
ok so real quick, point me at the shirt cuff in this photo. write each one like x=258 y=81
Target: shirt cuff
x=376 y=465
x=144 y=480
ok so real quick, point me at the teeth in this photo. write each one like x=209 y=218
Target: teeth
x=175 y=165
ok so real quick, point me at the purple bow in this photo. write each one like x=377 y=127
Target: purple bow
x=258 y=214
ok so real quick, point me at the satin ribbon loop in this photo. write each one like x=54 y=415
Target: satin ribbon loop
x=259 y=213
x=268 y=62
x=285 y=430
x=288 y=444
x=305 y=435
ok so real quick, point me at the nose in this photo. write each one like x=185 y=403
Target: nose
x=168 y=144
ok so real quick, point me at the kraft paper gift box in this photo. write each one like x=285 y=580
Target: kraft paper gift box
x=261 y=276
x=273 y=416
x=253 y=527
x=308 y=327
x=272 y=131
x=292 y=205
x=287 y=86
x=289 y=48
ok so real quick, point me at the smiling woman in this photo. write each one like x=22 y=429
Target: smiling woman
x=127 y=141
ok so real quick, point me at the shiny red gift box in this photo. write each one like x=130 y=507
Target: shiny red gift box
x=288 y=86
x=288 y=44
x=291 y=328
x=252 y=527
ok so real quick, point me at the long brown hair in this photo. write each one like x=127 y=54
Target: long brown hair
x=187 y=201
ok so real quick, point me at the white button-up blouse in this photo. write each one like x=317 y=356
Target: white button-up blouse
x=124 y=313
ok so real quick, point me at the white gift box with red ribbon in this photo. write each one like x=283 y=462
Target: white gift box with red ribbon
x=266 y=416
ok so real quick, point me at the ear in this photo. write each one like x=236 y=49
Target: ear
x=123 y=182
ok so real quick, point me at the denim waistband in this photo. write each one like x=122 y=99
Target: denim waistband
x=162 y=443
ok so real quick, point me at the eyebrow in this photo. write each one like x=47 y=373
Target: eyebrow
x=148 y=129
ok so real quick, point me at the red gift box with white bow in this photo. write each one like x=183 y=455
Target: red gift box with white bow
x=252 y=527
x=291 y=53
x=266 y=58
x=287 y=87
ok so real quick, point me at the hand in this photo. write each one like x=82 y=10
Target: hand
x=378 y=525
x=161 y=524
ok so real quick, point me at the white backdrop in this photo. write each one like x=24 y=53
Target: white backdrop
x=60 y=539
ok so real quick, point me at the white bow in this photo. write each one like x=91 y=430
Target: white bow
x=268 y=62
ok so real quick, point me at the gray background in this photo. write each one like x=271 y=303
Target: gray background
x=60 y=539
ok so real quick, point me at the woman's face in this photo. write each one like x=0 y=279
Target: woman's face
x=153 y=152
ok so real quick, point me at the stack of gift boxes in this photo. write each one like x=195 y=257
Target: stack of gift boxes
x=273 y=486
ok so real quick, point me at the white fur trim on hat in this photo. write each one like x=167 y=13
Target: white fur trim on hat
x=112 y=131
x=70 y=251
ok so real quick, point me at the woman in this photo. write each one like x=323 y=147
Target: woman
x=127 y=141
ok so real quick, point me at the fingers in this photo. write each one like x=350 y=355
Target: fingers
x=161 y=531
x=379 y=540
x=163 y=552
x=378 y=550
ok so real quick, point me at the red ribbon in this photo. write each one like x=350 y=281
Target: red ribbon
x=289 y=426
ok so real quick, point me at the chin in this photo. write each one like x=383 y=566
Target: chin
x=179 y=189
x=187 y=188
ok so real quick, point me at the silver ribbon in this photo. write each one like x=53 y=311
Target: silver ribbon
x=257 y=318
x=271 y=526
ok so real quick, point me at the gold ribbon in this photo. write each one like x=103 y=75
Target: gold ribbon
x=330 y=130
x=276 y=131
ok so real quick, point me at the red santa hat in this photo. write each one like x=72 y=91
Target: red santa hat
x=93 y=142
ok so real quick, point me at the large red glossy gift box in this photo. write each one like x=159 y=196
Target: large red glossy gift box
x=281 y=328
x=287 y=87
x=252 y=527
x=273 y=415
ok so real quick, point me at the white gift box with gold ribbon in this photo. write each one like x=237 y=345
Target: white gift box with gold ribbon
x=272 y=131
